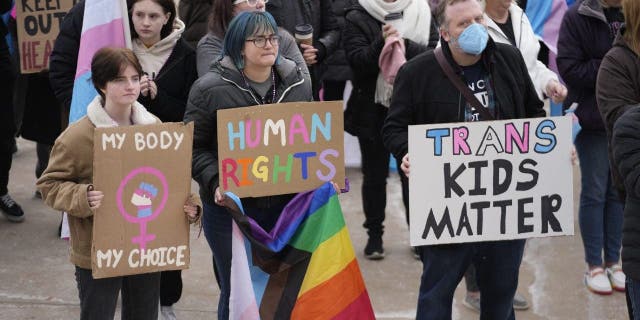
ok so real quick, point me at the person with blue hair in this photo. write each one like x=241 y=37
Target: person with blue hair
x=251 y=73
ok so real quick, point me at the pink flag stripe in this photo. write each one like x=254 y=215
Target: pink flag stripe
x=110 y=34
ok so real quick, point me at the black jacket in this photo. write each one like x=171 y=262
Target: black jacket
x=222 y=88
x=617 y=90
x=335 y=67
x=174 y=82
x=584 y=39
x=64 y=57
x=424 y=95
x=363 y=44
x=194 y=14
x=318 y=13
x=625 y=144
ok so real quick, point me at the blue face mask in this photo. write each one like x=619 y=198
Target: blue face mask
x=473 y=39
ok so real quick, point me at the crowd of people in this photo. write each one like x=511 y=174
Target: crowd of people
x=191 y=59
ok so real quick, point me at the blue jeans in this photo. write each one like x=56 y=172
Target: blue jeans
x=601 y=211
x=497 y=266
x=633 y=298
x=216 y=224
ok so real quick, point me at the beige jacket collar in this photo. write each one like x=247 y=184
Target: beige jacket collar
x=100 y=118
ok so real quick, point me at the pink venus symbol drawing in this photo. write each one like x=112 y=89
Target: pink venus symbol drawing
x=143 y=198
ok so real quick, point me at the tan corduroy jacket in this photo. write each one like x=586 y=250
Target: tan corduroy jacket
x=65 y=182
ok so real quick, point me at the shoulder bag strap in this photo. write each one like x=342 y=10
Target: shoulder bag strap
x=466 y=92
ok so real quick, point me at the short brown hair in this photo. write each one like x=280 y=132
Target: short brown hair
x=107 y=64
x=441 y=19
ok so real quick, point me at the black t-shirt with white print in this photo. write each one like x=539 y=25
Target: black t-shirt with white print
x=478 y=81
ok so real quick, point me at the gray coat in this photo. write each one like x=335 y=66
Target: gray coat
x=210 y=50
x=223 y=88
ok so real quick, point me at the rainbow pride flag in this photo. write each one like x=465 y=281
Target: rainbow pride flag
x=304 y=268
x=106 y=23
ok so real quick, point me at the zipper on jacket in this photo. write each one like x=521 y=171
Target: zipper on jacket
x=290 y=87
x=241 y=88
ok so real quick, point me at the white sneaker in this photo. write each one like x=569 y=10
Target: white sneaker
x=616 y=277
x=597 y=282
x=166 y=313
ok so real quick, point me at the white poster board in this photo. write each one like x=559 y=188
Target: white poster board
x=490 y=180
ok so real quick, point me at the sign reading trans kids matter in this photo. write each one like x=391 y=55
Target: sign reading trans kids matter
x=145 y=175
x=280 y=148
x=490 y=180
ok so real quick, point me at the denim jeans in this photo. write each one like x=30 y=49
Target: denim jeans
x=633 y=298
x=601 y=211
x=98 y=297
x=375 y=170
x=497 y=266
x=216 y=224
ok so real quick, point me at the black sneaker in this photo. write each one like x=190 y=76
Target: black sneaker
x=374 y=250
x=11 y=209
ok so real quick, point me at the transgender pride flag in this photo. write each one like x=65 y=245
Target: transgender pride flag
x=545 y=17
x=304 y=268
x=106 y=23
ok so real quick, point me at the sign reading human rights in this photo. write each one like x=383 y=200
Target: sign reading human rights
x=280 y=148
x=38 y=23
x=145 y=175
x=490 y=180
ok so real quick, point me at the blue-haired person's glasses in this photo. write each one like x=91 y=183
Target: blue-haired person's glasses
x=260 y=42
x=252 y=3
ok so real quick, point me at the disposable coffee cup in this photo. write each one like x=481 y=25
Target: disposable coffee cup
x=304 y=34
x=393 y=16
x=393 y=19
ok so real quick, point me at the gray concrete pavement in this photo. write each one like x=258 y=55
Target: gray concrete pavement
x=37 y=281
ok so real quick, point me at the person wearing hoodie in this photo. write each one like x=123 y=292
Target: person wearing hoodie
x=364 y=36
x=587 y=32
x=618 y=99
x=251 y=73
x=66 y=185
x=169 y=66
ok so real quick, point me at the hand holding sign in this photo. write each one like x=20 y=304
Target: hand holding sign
x=94 y=198
x=405 y=165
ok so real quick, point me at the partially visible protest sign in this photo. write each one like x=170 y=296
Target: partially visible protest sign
x=145 y=175
x=485 y=181
x=38 y=23
x=280 y=148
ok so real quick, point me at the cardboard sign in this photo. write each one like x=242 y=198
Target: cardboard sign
x=145 y=175
x=280 y=148
x=38 y=23
x=485 y=181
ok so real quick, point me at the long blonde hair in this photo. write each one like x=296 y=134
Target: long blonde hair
x=631 y=11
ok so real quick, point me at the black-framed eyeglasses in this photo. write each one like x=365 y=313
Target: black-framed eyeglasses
x=252 y=3
x=260 y=42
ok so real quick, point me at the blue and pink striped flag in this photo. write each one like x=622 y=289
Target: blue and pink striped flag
x=106 y=23
x=304 y=268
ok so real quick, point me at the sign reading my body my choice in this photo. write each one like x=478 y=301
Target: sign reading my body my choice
x=280 y=148
x=145 y=175
x=491 y=180
x=38 y=23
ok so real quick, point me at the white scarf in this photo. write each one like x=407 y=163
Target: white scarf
x=415 y=25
